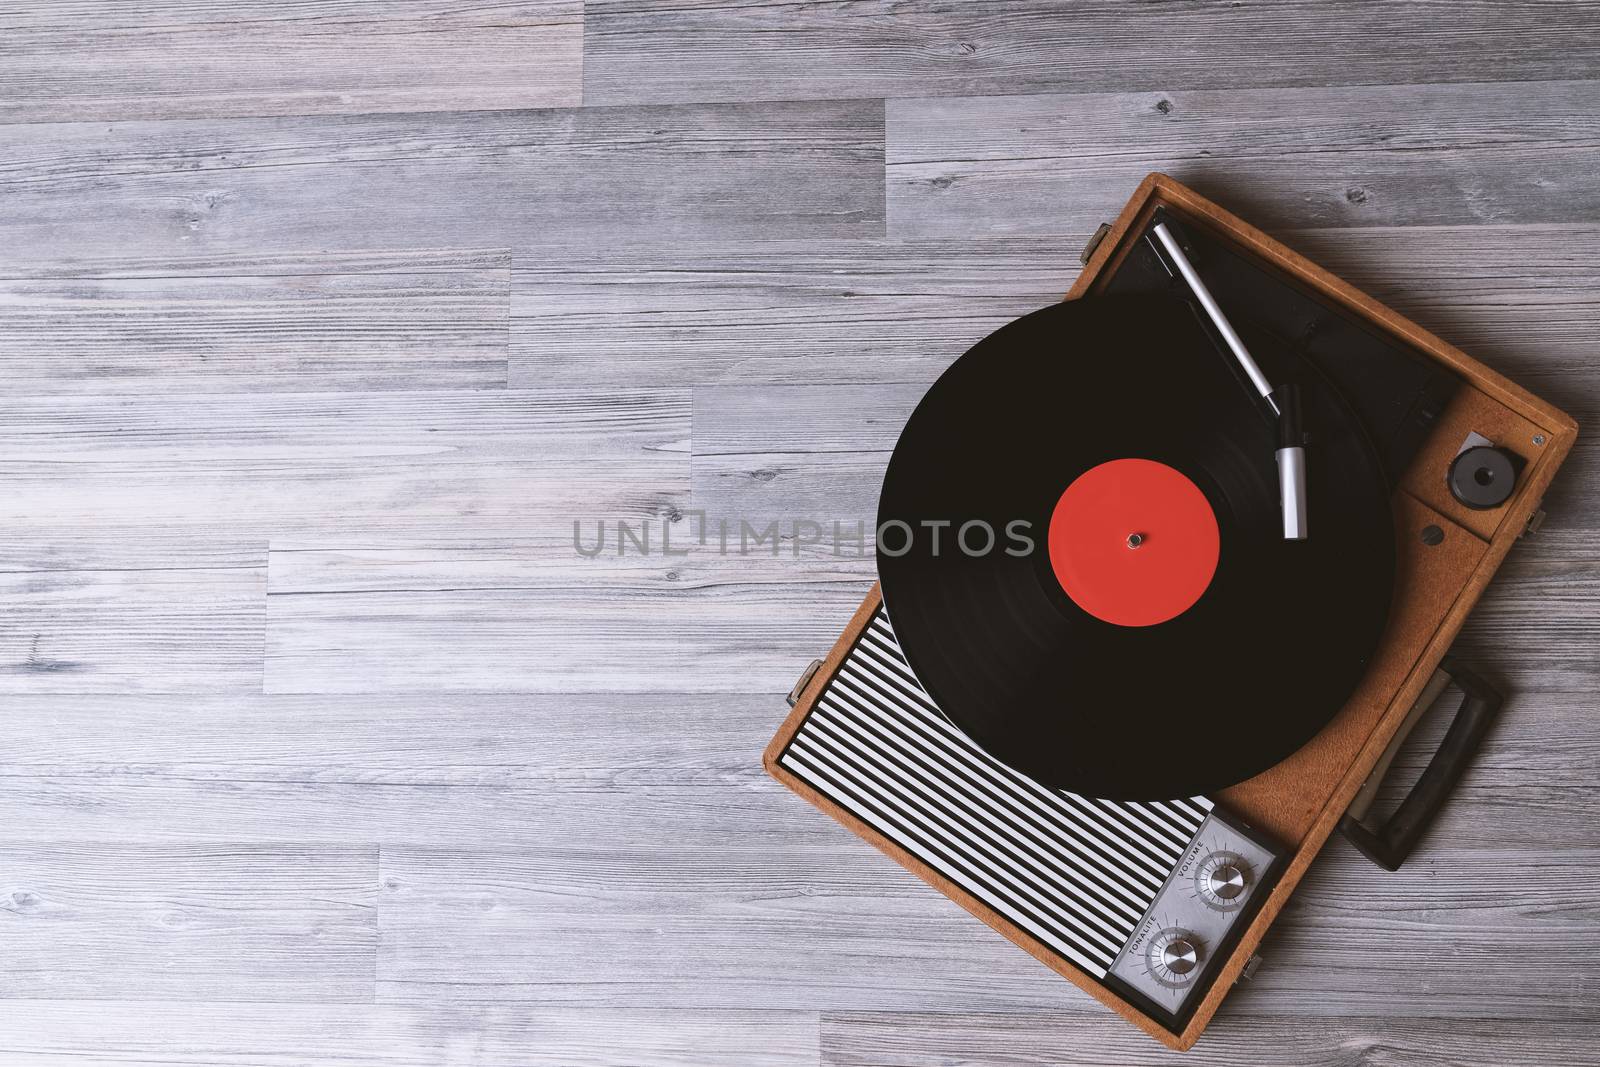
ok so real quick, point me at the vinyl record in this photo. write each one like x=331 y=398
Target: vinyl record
x=1081 y=554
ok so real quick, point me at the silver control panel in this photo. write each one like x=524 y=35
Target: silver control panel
x=1175 y=944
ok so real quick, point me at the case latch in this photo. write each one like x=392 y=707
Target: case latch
x=805 y=679
x=1535 y=521
x=1094 y=242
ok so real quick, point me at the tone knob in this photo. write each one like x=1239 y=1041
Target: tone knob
x=1175 y=956
x=1180 y=955
x=1222 y=880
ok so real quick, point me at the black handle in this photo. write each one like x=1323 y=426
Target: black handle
x=1389 y=845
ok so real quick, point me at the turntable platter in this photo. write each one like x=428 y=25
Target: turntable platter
x=1081 y=551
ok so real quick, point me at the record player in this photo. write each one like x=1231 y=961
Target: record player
x=1254 y=508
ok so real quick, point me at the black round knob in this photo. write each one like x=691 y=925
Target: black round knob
x=1483 y=477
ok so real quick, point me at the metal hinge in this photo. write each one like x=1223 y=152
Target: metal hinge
x=805 y=679
x=1251 y=966
x=1535 y=521
x=1094 y=242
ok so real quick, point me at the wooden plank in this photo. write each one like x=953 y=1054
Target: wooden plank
x=844 y=930
x=1541 y=612
x=158 y=610
x=535 y=615
x=167 y=807
x=705 y=929
x=1457 y=932
x=435 y=320
x=795 y=312
x=314 y=1034
x=567 y=743
x=140 y=921
x=1357 y=156
x=867 y=1039
x=746 y=49
x=631 y=769
x=101 y=59
x=621 y=832
x=401 y=463
x=1521 y=298
x=528 y=180
x=801 y=452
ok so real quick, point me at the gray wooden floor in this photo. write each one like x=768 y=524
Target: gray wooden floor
x=321 y=322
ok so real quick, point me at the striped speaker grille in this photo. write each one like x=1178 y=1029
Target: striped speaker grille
x=1074 y=872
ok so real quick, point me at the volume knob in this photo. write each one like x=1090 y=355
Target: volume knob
x=1223 y=880
x=1227 y=881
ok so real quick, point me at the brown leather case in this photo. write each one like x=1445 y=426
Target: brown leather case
x=1300 y=800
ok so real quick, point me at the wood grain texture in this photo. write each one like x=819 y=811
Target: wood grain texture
x=528 y=180
x=93 y=611
x=396 y=463
x=419 y=768
x=100 y=59
x=859 y=310
x=413 y=769
x=749 y=49
x=871 y=1039
x=563 y=743
x=1520 y=297
x=597 y=825
x=797 y=452
x=842 y=937
x=824 y=926
x=1541 y=611
x=322 y=745
x=534 y=615
x=1353 y=156
x=50 y=1033
x=1475 y=911
x=412 y=320
x=146 y=922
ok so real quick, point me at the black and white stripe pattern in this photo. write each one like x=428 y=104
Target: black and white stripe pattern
x=1075 y=872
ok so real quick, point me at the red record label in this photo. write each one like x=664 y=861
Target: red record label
x=1134 y=542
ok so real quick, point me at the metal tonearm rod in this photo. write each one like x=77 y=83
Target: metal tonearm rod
x=1284 y=401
